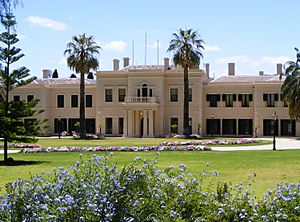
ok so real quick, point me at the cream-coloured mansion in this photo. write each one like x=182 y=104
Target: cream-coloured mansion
x=147 y=101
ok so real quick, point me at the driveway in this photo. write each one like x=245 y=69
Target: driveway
x=281 y=144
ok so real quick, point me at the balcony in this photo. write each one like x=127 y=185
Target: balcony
x=141 y=102
x=131 y=99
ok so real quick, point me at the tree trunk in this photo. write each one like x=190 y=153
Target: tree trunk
x=5 y=147
x=82 y=107
x=186 y=127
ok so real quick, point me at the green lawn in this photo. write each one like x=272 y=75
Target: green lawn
x=119 y=141
x=269 y=166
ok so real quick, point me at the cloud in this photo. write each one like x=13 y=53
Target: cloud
x=236 y=59
x=212 y=48
x=62 y=61
x=45 y=22
x=116 y=46
x=273 y=60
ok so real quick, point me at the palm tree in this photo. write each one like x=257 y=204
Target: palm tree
x=6 y=5
x=291 y=87
x=81 y=57
x=186 y=47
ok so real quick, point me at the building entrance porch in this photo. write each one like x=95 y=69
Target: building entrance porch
x=139 y=123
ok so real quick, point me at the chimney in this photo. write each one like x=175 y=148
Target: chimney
x=261 y=73
x=207 y=70
x=166 y=63
x=231 y=69
x=46 y=73
x=126 y=61
x=116 y=63
x=279 y=68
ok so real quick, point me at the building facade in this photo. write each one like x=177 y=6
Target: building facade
x=147 y=101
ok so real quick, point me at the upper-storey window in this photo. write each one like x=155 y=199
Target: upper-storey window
x=122 y=95
x=245 y=99
x=108 y=95
x=213 y=99
x=74 y=101
x=285 y=103
x=16 y=98
x=60 y=101
x=229 y=98
x=89 y=100
x=174 y=95
x=270 y=99
x=30 y=98
x=144 y=90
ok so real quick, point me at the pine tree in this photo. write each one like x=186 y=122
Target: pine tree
x=13 y=123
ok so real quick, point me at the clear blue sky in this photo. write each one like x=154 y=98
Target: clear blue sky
x=254 y=34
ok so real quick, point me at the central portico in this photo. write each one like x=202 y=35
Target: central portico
x=139 y=116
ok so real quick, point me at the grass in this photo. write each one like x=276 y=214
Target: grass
x=50 y=142
x=235 y=167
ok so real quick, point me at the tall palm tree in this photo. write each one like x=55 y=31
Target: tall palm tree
x=81 y=57
x=291 y=87
x=6 y=5
x=186 y=46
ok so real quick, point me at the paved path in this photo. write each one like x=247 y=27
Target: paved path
x=281 y=144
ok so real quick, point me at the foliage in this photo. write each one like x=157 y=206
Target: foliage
x=186 y=47
x=73 y=76
x=6 y=5
x=81 y=57
x=90 y=75
x=291 y=87
x=55 y=74
x=96 y=190
x=14 y=122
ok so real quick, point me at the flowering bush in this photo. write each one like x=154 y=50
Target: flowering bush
x=210 y=142
x=95 y=190
x=22 y=145
x=116 y=148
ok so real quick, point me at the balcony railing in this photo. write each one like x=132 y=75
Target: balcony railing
x=131 y=99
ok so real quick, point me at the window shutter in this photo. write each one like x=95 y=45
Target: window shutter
x=218 y=97
x=250 y=97
x=265 y=97
x=234 y=97
x=223 y=97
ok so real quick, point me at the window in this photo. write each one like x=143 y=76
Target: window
x=174 y=125
x=60 y=125
x=213 y=127
x=270 y=98
x=30 y=98
x=108 y=95
x=269 y=126
x=90 y=124
x=74 y=101
x=213 y=99
x=288 y=127
x=285 y=103
x=174 y=95
x=229 y=98
x=190 y=95
x=122 y=94
x=229 y=126
x=245 y=99
x=245 y=126
x=89 y=101
x=150 y=92
x=144 y=90
x=108 y=125
x=16 y=98
x=60 y=101
x=121 y=125
x=138 y=92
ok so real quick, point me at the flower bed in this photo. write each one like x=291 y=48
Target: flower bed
x=116 y=148
x=22 y=145
x=210 y=142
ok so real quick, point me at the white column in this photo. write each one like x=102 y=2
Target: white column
x=151 y=120
x=145 y=133
x=125 y=130
x=130 y=122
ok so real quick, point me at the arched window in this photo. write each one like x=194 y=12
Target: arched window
x=144 y=90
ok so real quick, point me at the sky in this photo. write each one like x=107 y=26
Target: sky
x=256 y=34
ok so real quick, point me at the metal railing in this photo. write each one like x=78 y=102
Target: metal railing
x=131 y=99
